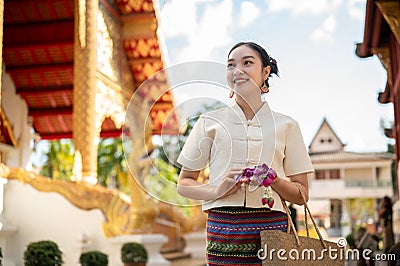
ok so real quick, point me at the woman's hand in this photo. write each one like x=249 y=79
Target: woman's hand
x=189 y=187
x=228 y=184
x=288 y=189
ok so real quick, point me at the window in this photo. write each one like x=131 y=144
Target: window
x=319 y=174
x=327 y=174
x=328 y=140
x=334 y=174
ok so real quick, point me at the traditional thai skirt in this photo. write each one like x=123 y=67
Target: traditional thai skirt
x=233 y=234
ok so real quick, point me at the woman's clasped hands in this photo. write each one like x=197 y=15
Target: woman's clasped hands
x=236 y=177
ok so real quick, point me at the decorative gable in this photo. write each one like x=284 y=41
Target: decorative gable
x=325 y=140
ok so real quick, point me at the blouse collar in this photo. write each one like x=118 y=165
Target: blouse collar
x=262 y=113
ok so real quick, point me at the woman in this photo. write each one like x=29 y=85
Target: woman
x=243 y=135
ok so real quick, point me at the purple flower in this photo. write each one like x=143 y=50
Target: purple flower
x=248 y=172
x=258 y=179
x=260 y=174
x=261 y=169
x=271 y=173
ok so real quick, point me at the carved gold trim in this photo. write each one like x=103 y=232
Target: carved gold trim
x=391 y=13
x=383 y=53
x=127 y=7
x=82 y=22
x=84 y=126
x=142 y=48
x=123 y=215
x=115 y=206
x=109 y=102
x=6 y=125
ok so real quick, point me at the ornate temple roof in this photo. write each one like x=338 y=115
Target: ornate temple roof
x=39 y=56
x=382 y=20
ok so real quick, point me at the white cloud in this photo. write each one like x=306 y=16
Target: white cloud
x=299 y=7
x=248 y=13
x=210 y=31
x=325 y=31
x=178 y=17
x=356 y=9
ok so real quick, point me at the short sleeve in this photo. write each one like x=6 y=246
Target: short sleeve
x=297 y=159
x=196 y=151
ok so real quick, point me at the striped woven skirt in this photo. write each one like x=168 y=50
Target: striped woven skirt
x=233 y=234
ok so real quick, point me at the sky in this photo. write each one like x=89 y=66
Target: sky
x=314 y=45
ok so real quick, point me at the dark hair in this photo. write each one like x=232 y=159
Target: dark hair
x=387 y=201
x=389 y=210
x=265 y=58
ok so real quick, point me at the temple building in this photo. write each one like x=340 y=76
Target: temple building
x=70 y=70
x=382 y=39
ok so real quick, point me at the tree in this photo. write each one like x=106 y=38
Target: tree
x=111 y=164
x=171 y=146
x=59 y=160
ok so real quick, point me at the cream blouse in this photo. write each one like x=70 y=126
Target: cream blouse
x=223 y=138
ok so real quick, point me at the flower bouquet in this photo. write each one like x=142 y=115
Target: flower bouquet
x=260 y=175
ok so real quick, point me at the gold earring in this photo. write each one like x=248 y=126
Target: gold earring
x=264 y=87
x=231 y=94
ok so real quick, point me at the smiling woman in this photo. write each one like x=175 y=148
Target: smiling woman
x=249 y=63
x=235 y=138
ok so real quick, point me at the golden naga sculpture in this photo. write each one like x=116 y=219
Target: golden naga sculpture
x=120 y=216
x=123 y=214
x=114 y=205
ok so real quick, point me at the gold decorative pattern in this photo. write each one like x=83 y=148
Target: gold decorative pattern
x=383 y=53
x=144 y=69
x=114 y=205
x=123 y=215
x=108 y=43
x=142 y=48
x=82 y=22
x=391 y=12
x=109 y=102
x=85 y=132
x=165 y=120
x=109 y=97
x=130 y=6
x=152 y=91
x=6 y=132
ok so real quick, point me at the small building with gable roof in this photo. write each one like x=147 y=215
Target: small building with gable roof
x=346 y=186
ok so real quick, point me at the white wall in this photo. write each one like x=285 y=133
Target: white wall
x=49 y=216
x=16 y=111
x=361 y=174
x=324 y=134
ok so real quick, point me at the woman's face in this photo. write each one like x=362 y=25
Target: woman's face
x=244 y=73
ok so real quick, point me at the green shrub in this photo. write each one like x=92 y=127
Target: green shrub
x=93 y=258
x=43 y=253
x=133 y=252
x=350 y=240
